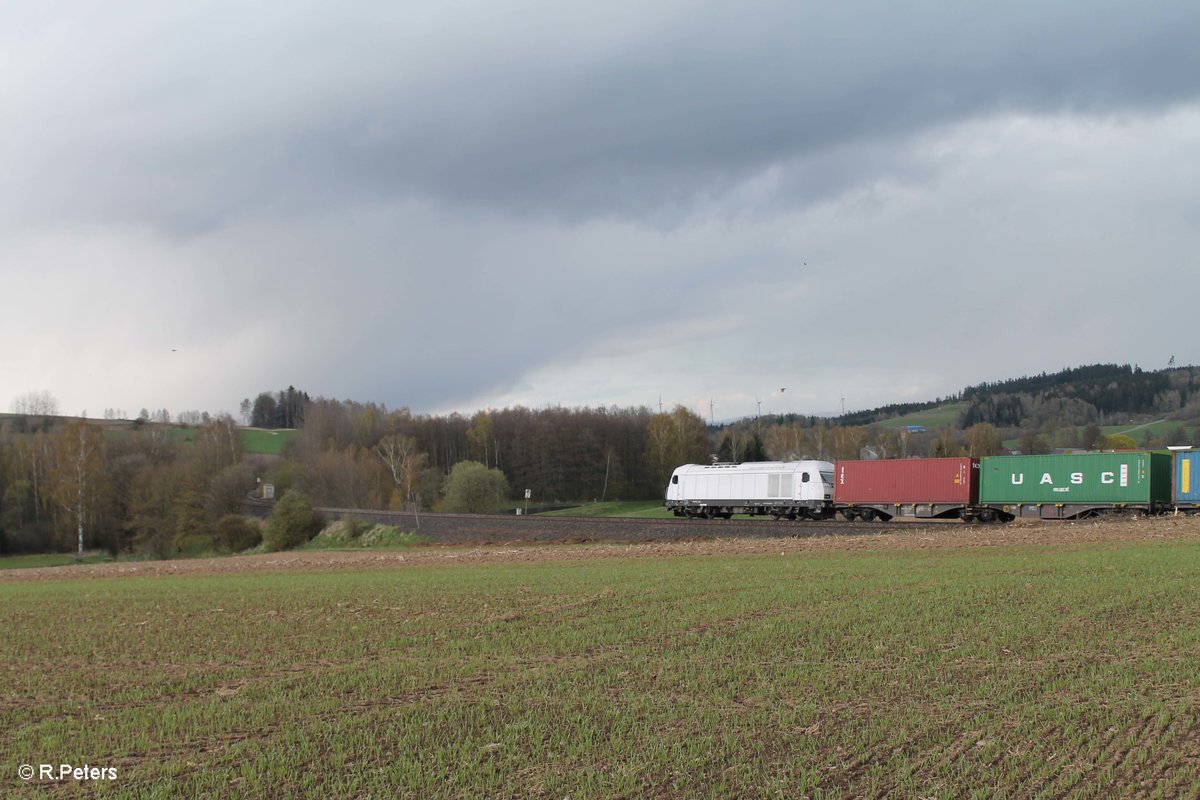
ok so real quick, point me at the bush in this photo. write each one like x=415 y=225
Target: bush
x=355 y=527
x=292 y=523
x=236 y=533
x=1119 y=441
x=338 y=535
x=475 y=489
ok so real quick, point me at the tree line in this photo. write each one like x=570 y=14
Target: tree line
x=350 y=454
x=165 y=488
x=63 y=481
x=161 y=488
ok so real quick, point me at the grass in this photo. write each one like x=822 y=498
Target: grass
x=648 y=509
x=1138 y=431
x=1163 y=427
x=945 y=416
x=51 y=560
x=265 y=442
x=259 y=441
x=1022 y=671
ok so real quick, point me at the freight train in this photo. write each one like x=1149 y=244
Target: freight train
x=990 y=489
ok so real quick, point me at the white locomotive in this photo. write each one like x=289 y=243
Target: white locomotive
x=791 y=489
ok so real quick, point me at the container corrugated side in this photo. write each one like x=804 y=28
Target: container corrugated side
x=1093 y=478
x=1187 y=477
x=909 y=480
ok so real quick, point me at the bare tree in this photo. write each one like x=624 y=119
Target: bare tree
x=400 y=455
x=785 y=442
x=983 y=440
x=80 y=473
x=39 y=404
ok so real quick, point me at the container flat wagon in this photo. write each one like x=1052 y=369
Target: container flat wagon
x=791 y=489
x=1076 y=485
x=926 y=488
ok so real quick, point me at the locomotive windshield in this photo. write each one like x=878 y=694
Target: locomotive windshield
x=827 y=477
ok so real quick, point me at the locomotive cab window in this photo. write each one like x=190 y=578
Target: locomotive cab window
x=675 y=479
x=804 y=478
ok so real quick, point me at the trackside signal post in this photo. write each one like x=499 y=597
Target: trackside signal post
x=527 y=494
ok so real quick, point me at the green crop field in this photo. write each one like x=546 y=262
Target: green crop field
x=1069 y=668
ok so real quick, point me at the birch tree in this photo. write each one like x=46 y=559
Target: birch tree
x=403 y=461
x=79 y=480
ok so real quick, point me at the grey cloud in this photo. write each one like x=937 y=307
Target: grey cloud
x=689 y=110
x=449 y=205
x=560 y=124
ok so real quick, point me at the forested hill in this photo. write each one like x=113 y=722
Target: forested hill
x=1076 y=396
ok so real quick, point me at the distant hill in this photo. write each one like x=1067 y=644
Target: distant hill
x=1095 y=394
x=1112 y=396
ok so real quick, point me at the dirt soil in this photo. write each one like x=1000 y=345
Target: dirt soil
x=945 y=536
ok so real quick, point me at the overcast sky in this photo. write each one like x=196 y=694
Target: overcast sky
x=459 y=205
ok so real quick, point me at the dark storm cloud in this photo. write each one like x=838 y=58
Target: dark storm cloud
x=691 y=109
x=192 y=121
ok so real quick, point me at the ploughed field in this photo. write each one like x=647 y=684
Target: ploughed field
x=1030 y=660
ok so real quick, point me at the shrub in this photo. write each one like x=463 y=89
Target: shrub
x=1119 y=441
x=475 y=489
x=236 y=533
x=292 y=523
x=338 y=535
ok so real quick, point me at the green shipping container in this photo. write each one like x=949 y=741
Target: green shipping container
x=1135 y=478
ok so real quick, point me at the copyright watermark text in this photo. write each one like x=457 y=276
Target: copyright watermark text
x=66 y=772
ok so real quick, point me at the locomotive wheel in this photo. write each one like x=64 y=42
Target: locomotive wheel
x=868 y=515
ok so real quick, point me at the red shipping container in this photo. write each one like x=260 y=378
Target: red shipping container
x=947 y=481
